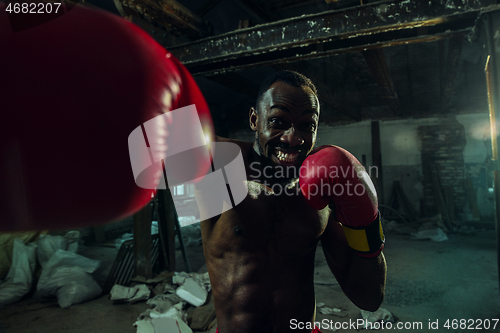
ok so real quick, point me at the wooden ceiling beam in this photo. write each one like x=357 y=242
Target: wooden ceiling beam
x=375 y=59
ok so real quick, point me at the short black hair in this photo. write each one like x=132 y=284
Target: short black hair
x=292 y=78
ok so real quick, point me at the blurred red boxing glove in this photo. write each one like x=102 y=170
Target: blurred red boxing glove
x=331 y=174
x=73 y=89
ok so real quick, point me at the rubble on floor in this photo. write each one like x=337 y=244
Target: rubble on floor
x=429 y=228
x=191 y=288
x=380 y=316
x=321 y=308
x=181 y=303
x=371 y=320
x=435 y=235
x=121 y=294
x=432 y=228
x=171 y=321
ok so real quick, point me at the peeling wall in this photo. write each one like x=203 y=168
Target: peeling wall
x=477 y=159
x=400 y=150
x=442 y=150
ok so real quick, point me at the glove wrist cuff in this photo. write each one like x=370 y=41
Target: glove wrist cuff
x=367 y=241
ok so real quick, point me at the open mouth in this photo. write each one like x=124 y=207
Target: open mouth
x=286 y=157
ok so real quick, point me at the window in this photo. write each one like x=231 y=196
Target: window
x=179 y=190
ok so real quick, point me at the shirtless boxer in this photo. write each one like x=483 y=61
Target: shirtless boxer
x=260 y=255
x=66 y=151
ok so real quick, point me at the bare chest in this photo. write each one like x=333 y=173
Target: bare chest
x=274 y=219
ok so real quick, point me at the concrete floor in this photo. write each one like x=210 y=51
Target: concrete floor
x=455 y=279
x=427 y=281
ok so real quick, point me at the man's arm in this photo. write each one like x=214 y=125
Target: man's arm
x=353 y=240
x=361 y=279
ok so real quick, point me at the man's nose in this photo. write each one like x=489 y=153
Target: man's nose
x=292 y=137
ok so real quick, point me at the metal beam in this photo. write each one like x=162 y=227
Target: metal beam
x=142 y=242
x=408 y=78
x=171 y=16
x=237 y=83
x=207 y=6
x=450 y=75
x=377 y=160
x=284 y=4
x=326 y=95
x=374 y=25
x=491 y=27
x=289 y=4
x=378 y=66
x=258 y=12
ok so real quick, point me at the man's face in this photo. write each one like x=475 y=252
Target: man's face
x=286 y=124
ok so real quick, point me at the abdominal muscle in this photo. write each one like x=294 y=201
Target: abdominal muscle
x=260 y=258
x=263 y=278
x=254 y=294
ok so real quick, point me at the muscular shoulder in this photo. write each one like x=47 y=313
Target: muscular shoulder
x=245 y=146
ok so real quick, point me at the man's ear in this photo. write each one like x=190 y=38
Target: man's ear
x=254 y=117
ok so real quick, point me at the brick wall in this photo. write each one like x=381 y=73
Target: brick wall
x=442 y=149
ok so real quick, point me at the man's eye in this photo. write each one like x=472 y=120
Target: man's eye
x=310 y=127
x=276 y=121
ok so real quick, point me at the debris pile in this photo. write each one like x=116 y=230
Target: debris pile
x=430 y=228
x=380 y=316
x=180 y=302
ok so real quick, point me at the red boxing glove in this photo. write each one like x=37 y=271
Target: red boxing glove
x=332 y=174
x=194 y=162
x=73 y=90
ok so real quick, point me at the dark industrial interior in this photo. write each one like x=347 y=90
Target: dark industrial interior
x=403 y=85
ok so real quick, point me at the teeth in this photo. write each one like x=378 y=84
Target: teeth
x=286 y=157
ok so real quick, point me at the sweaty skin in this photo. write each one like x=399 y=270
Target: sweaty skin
x=260 y=254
